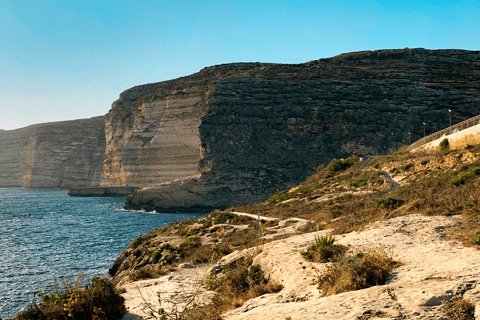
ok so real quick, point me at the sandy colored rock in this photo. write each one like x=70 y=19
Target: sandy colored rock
x=433 y=271
x=53 y=155
x=247 y=130
x=180 y=288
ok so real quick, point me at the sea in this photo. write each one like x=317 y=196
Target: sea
x=46 y=234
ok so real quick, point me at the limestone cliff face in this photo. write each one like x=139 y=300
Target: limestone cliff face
x=243 y=131
x=53 y=155
x=151 y=141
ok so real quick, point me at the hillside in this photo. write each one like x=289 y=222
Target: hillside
x=236 y=133
x=416 y=212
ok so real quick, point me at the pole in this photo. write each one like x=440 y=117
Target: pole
x=259 y=229
x=424 y=125
x=450 y=116
x=409 y=138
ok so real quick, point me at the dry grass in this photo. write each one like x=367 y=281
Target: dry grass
x=236 y=284
x=468 y=232
x=239 y=283
x=98 y=300
x=465 y=142
x=359 y=271
x=460 y=309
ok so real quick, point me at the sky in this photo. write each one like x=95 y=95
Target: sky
x=68 y=59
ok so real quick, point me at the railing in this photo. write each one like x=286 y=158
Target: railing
x=445 y=132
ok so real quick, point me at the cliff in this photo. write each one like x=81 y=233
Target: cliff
x=236 y=133
x=53 y=155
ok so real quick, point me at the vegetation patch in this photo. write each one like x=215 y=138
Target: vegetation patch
x=460 y=309
x=324 y=250
x=358 y=271
x=460 y=179
x=401 y=152
x=444 y=145
x=98 y=299
x=222 y=217
x=338 y=165
x=235 y=285
x=390 y=203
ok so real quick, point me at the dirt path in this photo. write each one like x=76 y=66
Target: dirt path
x=254 y=216
x=395 y=184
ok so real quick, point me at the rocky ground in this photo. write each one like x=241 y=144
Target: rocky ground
x=421 y=208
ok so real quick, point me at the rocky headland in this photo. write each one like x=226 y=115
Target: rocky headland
x=53 y=155
x=236 y=133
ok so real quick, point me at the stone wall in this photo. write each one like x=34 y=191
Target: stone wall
x=53 y=155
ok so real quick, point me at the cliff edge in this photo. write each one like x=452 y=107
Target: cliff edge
x=236 y=133
x=53 y=155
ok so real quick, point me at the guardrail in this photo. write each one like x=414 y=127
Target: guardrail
x=445 y=132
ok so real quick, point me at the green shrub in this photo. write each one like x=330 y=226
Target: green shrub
x=350 y=161
x=323 y=250
x=476 y=240
x=444 y=145
x=389 y=203
x=99 y=299
x=377 y=166
x=156 y=255
x=338 y=165
x=324 y=241
x=184 y=230
x=437 y=172
x=222 y=217
x=460 y=179
x=191 y=239
x=401 y=152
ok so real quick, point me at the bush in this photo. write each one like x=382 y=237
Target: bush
x=222 y=217
x=356 y=272
x=389 y=203
x=476 y=240
x=240 y=281
x=460 y=309
x=156 y=255
x=444 y=145
x=460 y=179
x=323 y=250
x=401 y=152
x=97 y=300
x=377 y=166
x=336 y=166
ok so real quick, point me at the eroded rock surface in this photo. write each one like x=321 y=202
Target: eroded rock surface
x=243 y=131
x=434 y=271
x=54 y=155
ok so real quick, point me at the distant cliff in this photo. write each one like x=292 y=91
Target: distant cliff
x=53 y=155
x=236 y=133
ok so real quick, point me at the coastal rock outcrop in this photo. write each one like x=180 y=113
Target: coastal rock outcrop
x=236 y=133
x=53 y=155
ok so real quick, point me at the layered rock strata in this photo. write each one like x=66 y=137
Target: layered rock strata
x=236 y=133
x=53 y=155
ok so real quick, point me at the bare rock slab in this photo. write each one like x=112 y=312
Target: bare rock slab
x=434 y=271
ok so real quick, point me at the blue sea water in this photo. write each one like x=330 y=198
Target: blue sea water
x=44 y=233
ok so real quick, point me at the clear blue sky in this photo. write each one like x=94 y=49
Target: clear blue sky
x=68 y=59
